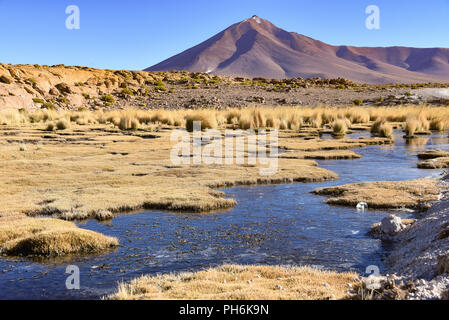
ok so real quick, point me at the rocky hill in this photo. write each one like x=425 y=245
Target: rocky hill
x=64 y=87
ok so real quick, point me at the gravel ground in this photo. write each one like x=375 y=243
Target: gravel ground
x=241 y=96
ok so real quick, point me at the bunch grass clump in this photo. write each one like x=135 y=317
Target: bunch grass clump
x=411 y=127
x=339 y=128
x=63 y=124
x=381 y=128
x=207 y=119
x=128 y=122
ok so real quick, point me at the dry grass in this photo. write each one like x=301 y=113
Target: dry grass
x=433 y=154
x=419 y=119
x=128 y=123
x=98 y=171
x=207 y=120
x=420 y=125
x=437 y=163
x=381 y=128
x=384 y=195
x=438 y=124
x=92 y=168
x=63 y=124
x=386 y=131
x=21 y=235
x=339 y=128
x=411 y=126
x=433 y=159
x=232 y=282
x=321 y=155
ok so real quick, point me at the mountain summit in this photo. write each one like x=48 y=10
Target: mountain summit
x=257 y=48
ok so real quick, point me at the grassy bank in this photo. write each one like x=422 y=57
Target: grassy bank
x=233 y=282
x=384 y=195
x=21 y=235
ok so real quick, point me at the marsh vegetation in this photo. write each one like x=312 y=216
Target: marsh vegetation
x=60 y=166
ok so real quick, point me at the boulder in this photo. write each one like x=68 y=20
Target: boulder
x=5 y=79
x=54 y=92
x=63 y=88
x=392 y=225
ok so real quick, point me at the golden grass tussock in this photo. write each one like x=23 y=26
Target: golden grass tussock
x=207 y=120
x=50 y=127
x=339 y=128
x=246 y=122
x=295 y=121
x=128 y=122
x=381 y=128
x=375 y=128
x=63 y=124
x=235 y=282
x=384 y=195
x=411 y=127
x=272 y=122
x=359 y=116
x=13 y=117
x=233 y=116
x=438 y=124
x=386 y=131
x=259 y=120
x=415 y=119
x=24 y=236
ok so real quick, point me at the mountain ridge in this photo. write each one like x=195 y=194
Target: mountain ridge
x=257 y=48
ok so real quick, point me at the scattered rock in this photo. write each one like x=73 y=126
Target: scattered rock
x=443 y=264
x=53 y=92
x=444 y=233
x=5 y=79
x=63 y=88
x=391 y=225
x=278 y=287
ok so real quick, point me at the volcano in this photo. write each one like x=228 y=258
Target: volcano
x=257 y=48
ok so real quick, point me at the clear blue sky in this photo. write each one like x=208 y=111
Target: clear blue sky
x=135 y=34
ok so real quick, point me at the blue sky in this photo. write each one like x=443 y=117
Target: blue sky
x=136 y=34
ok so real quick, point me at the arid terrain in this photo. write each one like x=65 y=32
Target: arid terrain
x=68 y=88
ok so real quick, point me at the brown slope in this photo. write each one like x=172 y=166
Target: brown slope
x=257 y=48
